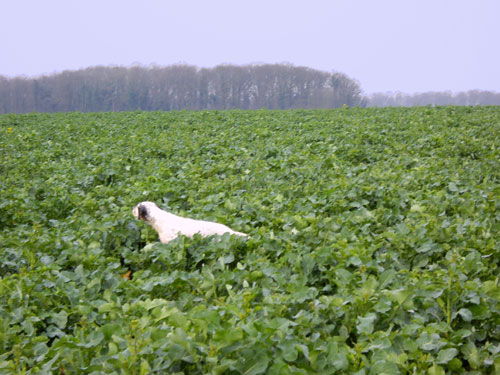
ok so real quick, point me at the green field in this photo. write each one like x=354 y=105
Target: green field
x=374 y=249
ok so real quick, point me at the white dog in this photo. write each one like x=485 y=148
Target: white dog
x=170 y=226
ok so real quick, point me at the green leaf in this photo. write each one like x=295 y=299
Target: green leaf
x=426 y=247
x=92 y=340
x=491 y=288
x=417 y=208
x=472 y=355
x=436 y=370
x=466 y=314
x=60 y=319
x=178 y=319
x=111 y=329
x=473 y=262
x=145 y=368
x=402 y=297
x=386 y=278
x=430 y=342
x=289 y=349
x=7 y=365
x=228 y=336
x=40 y=351
x=106 y=307
x=383 y=305
x=365 y=324
x=384 y=368
x=256 y=365
x=402 y=229
x=228 y=259
x=446 y=355
x=304 y=293
x=344 y=275
x=337 y=355
x=49 y=365
x=151 y=304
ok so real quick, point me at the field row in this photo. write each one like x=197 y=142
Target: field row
x=374 y=242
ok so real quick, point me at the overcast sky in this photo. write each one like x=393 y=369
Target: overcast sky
x=387 y=45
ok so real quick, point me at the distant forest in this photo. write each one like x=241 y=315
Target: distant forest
x=472 y=97
x=178 y=87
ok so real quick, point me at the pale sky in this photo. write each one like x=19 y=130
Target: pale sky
x=387 y=45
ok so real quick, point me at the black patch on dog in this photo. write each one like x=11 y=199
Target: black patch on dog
x=143 y=212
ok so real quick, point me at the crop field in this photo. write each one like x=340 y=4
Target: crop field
x=374 y=249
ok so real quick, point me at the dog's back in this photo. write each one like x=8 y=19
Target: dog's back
x=169 y=226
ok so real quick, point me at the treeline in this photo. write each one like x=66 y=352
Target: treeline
x=473 y=97
x=176 y=87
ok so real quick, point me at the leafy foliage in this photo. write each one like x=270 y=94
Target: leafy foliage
x=374 y=248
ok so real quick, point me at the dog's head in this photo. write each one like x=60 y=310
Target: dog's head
x=143 y=210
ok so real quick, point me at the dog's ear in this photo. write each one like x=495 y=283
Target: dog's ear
x=143 y=212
